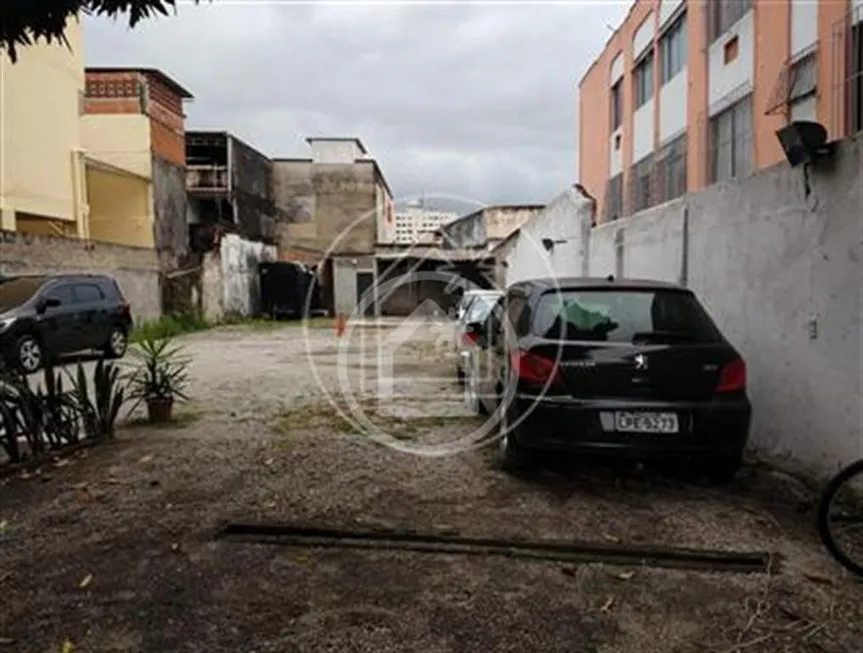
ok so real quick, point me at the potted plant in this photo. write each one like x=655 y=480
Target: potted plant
x=159 y=378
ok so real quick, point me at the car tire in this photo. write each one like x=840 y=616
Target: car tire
x=723 y=468
x=29 y=354
x=118 y=342
x=514 y=457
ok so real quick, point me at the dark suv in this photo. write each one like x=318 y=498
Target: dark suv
x=622 y=367
x=42 y=317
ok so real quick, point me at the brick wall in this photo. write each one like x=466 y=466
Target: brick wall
x=135 y=268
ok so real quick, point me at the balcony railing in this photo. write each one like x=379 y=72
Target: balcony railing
x=204 y=179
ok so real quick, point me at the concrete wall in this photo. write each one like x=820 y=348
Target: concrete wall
x=120 y=207
x=566 y=222
x=120 y=139
x=466 y=232
x=330 y=206
x=212 y=306
x=781 y=274
x=135 y=268
x=239 y=267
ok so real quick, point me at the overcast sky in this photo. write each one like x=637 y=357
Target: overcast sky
x=471 y=101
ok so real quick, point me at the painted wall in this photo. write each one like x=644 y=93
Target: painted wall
x=804 y=24
x=728 y=82
x=122 y=140
x=120 y=208
x=780 y=273
x=136 y=269
x=39 y=130
x=566 y=222
x=642 y=133
x=673 y=103
x=239 y=274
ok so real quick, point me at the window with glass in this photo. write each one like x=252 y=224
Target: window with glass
x=724 y=13
x=673 y=49
x=641 y=179
x=616 y=106
x=614 y=198
x=671 y=170
x=643 y=80
x=731 y=141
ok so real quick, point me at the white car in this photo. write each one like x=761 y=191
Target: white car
x=472 y=309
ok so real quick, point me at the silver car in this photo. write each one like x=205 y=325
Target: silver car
x=472 y=310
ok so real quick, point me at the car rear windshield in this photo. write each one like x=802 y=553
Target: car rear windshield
x=14 y=292
x=623 y=316
x=480 y=307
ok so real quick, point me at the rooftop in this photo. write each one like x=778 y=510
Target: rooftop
x=154 y=72
x=338 y=139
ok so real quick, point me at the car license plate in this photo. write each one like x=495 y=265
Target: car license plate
x=646 y=422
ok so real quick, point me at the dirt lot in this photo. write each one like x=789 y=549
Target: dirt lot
x=114 y=550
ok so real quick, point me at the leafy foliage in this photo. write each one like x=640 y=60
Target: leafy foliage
x=53 y=416
x=46 y=417
x=99 y=414
x=22 y=22
x=161 y=371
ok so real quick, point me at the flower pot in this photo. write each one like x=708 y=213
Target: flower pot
x=160 y=409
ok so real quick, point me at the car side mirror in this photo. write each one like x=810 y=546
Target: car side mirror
x=45 y=303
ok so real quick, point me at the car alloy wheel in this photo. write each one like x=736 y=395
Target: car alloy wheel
x=29 y=354
x=118 y=342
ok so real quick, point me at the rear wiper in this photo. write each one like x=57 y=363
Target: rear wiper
x=665 y=335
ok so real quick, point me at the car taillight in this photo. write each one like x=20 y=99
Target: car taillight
x=732 y=377
x=470 y=338
x=534 y=368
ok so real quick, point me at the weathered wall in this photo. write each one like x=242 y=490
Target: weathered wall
x=781 y=274
x=328 y=205
x=566 y=223
x=251 y=188
x=501 y=221
x=239 y=263
x=211 y=287
x=466 y=232
x=135 y=268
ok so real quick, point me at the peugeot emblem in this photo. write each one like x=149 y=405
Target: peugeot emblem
x=640 y=362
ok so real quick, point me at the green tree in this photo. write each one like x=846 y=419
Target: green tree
x=22 y=22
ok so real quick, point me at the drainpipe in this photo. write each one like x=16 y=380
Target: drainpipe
x=80 y=208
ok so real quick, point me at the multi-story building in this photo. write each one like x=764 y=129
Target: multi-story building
x=687 y=93
x=418 y=225
x=334 y=206
x=42 y=161
x=229 y=184
x=134 y=119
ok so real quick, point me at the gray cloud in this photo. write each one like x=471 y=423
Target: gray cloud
x=471 y=100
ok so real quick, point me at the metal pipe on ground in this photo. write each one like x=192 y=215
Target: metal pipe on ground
x=563 y=551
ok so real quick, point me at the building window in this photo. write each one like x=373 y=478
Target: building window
x=673 y=49
x=802 y=86
x=724 y=13
x=671 y=170
x=614 y=198
x=643 y=79
x=731 y=141
x=616 y=106
x=641 y=184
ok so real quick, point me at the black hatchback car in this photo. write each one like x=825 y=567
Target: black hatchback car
x=42 y=317
x=623 y=367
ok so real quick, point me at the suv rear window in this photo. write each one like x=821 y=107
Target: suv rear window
x=623 y=316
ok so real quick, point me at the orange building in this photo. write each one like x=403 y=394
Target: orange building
x=691 y=92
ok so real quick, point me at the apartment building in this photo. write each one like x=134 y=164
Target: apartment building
x=688 y=93
x=418 y=225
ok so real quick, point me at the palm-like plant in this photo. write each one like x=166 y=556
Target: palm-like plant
x=159 y=377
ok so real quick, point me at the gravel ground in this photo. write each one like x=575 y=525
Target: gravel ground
x=113 y=550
